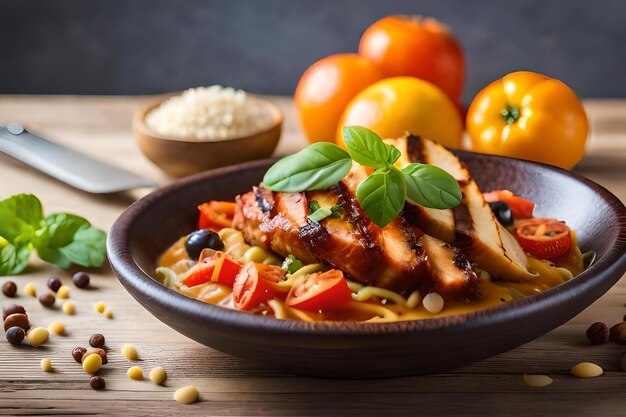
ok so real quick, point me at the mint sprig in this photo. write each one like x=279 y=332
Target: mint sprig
x=62 y=239
x=382 y=194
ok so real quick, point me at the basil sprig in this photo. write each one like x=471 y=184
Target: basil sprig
x=383 y=193
x=62 y=239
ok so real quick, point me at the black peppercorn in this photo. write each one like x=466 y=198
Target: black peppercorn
x=81 y=279
x=47 y=300
x=96 y=340
x=9 y=289
x=97 y=382
x=15 y=335
x=54 y=284
x=78 y=353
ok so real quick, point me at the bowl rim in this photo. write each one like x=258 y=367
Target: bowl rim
x=139 y=121
x=613 y=264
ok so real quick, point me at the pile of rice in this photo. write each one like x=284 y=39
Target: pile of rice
x=209 y=113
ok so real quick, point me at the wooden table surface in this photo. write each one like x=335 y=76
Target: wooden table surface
x=100 y=126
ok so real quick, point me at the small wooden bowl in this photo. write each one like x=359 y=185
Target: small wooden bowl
x=181 y=157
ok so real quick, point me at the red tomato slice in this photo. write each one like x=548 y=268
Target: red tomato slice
x=521 y=208
x=544 y=238
x=254 y=285
x=216 y=215
x=218 y=268
x=326 y=291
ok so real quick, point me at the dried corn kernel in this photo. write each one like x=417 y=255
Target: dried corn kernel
x=29 y=290
x=433 y=303
x=38 y=336
x=56 y=327
x=186 y=395
x=69 y=308
x=158 y=375
x=537 y=380
x=99 y=307
x=586 y=370
x=63 y=292
x=130 y=352
x=92 y=363
x=135 y=372
x=46 y=365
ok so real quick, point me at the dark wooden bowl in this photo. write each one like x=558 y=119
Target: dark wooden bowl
x=353 y=350
x=180 y=157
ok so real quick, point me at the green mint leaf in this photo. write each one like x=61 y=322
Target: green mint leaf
x=21 y=214
x=431 y=186
x=382 y=195
x=292 y=264
x=336 y=210
x=367 y=148
x=67 y=239
x=316 y=167
x=13 y=260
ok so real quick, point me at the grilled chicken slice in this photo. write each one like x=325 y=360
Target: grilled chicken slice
x=397 y=257
x=471 y=226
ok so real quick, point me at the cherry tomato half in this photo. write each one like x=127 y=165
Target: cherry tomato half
x=254 y=285
x=544 y=238
x=216 y=215
x=326 y=291
x=218 y=268
x=520 y=207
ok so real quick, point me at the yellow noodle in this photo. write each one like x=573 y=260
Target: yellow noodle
x=260 y=255
x=234 y=243
x=288 y=311
x=354 y=286
x=278 y=308
x=210 y=292
x=375 y=309
x=414 y=299
x=285 y=286
x=366 y=293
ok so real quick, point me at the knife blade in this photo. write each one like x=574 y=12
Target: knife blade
x=67 y=165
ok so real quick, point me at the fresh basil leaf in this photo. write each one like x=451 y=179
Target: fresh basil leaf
x=292 y=264
x=382 y=195
x=316 y=167
x=431 y=186
x=13 y=260
x=21 y=215
x=367 y=148
x=67 y=239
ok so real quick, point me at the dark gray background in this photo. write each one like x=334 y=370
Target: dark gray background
x=137 y=47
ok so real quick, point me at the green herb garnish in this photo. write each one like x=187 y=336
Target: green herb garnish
x=292 y=264
x=320 y=213
x=62 y=239
x=381 y=194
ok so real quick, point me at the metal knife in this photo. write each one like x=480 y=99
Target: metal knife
x=67 y=165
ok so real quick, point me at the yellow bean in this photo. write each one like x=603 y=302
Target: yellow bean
x=69 y=308
x=135 y=372
x=46 y=365
x=108 y=313
x=158 y=375
x=537 y=380
x=130 y=352
x=63 y=292
x=38 y=336
x=29 y=289
x=56 y=327
x=92 y=363
x=586 y=370
x=186 y=395
x=99 y=307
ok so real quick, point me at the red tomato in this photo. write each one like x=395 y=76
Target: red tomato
x=326 y=291
x=520 y=207
x=218 y=268
x=544 y=238
x=216 y=215
x=254 y=285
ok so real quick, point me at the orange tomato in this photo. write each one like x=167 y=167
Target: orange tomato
x=394 y=106
x=418 y=47
x=326 y=88
x=530 y=116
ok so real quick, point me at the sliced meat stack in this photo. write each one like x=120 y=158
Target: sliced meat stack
x=399 y=256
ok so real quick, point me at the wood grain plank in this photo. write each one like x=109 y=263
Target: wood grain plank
x=100 y=126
